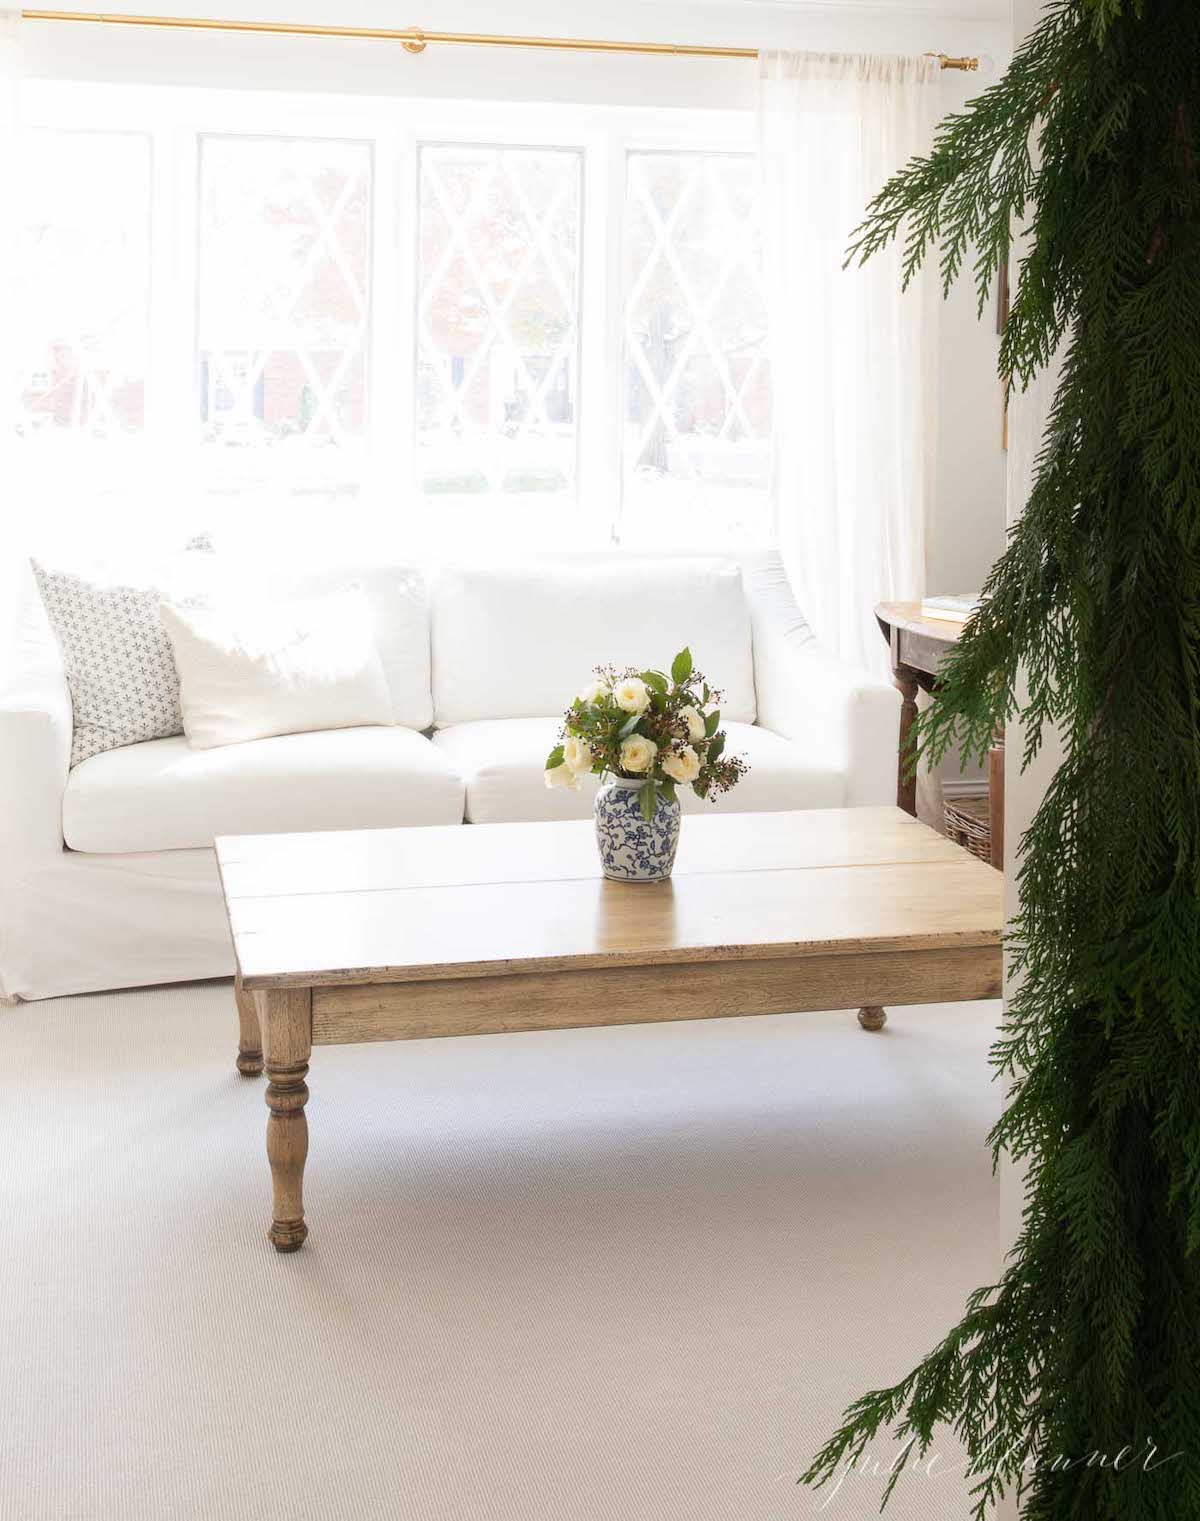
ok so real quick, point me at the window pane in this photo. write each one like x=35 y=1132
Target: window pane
x=282 y=310
x=697 y=403
x=82 y=288
x=498 y=322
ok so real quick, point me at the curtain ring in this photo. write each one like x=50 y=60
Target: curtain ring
x=415 y=41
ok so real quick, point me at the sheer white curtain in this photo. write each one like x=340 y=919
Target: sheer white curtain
x=852 y=358
x=13 y=575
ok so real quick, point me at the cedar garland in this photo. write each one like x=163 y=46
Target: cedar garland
x=1090 y=1342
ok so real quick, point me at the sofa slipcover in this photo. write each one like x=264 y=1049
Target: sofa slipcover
x=109 y=878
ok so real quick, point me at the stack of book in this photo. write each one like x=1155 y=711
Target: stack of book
x=958 y=608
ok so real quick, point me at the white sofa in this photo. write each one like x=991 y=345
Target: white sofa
x=108 y=877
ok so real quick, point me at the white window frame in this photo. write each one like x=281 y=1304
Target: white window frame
x=177 y=118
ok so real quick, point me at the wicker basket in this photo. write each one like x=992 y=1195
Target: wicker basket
x=969 y=823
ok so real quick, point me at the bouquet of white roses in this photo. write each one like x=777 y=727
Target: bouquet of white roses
x=645 y=726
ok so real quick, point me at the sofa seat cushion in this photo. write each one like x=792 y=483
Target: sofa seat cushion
x=501 y=761
x=163 y=795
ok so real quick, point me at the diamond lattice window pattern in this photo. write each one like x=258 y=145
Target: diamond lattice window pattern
x=498 y=322
x=697 y=404
x=284 y=273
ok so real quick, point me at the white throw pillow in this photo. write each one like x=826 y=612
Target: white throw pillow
x=398 y=603
x=249 y=672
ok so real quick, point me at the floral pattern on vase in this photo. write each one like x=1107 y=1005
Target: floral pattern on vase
x=632 y=850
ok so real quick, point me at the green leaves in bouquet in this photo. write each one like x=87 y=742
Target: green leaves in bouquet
x=681 y=666
x=667 y=788
x=555 y=758
x=649 y=800
x=659 y=688
x=629 y=726
x=715 y=747
x=711 y=722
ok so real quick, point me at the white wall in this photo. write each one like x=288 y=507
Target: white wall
x=966 y=528
x=380 y=68
x=967 y=518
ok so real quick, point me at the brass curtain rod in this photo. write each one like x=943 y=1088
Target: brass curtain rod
x=415 y=39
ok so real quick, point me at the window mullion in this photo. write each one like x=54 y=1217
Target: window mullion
x=171 y=400
x=602 y=343
x=390 y=339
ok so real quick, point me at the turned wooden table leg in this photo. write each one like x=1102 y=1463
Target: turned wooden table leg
x=872 y=1017
x=906 y=781
x=286 y=1019
x=249 y=1057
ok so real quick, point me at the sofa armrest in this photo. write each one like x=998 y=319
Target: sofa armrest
x=35 y=756
x=837 y=713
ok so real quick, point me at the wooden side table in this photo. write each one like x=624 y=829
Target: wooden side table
x=918 y=646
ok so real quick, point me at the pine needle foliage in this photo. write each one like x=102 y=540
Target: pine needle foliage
x=1075 y=1380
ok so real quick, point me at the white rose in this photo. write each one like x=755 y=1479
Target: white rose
x=695 y=724
x=595 y=691
x=637 y=753
x=577 y=753
x=562 y=776
x=632 y=695
x=682 y=766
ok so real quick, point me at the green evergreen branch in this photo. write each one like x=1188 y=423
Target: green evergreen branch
x=1090 y=624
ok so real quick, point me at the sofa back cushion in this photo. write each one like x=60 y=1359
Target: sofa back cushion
x=519 y=640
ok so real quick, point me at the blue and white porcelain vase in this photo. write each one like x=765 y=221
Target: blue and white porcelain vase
x=632 y=850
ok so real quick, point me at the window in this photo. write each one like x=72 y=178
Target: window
x=282 y=301
x=82 y=299
x=475 y=322
x=498 y=321
x=697 y=403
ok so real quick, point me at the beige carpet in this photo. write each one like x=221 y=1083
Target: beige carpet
x=629 y=1273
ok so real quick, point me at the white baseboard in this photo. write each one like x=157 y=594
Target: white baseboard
x=964 y=786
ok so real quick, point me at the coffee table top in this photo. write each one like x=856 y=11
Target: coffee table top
x=405 y=905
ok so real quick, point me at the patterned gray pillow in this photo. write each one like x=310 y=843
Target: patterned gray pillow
x=118 y=659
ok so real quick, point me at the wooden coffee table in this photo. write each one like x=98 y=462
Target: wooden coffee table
x=407 y=934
